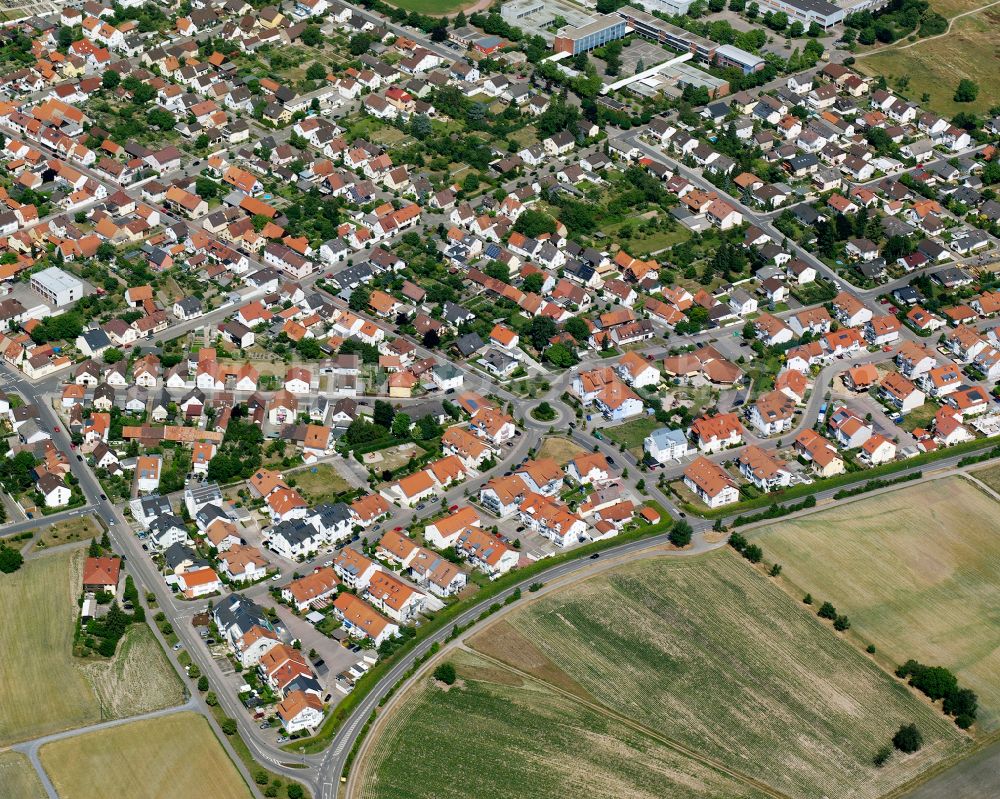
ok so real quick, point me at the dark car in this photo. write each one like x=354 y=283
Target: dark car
x=595 y=556
x=104 y=497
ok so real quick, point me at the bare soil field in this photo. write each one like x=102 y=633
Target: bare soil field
x=706 y=652
x=176 y=756
x=562 y=450
x=917 y=571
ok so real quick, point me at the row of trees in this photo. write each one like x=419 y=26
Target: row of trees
x=937 y=682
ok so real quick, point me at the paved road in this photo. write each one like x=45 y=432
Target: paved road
x=31 y=748
x=44 y=521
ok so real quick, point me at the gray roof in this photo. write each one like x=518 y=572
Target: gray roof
x=331 y=514
x=154 y=505
x=469 y=343
x=236 y=611
x=96 y=339
x=294 y=532
x=665 y=437
x=164 y=523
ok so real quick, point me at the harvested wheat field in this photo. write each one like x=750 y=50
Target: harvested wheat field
x=917 y=571
x=709 y=653
x=498 y=734
x=18 y=777
x=40 y=612
x=176 y=755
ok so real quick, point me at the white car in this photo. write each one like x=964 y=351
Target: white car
x=276 y=577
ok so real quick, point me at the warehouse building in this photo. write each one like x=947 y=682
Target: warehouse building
x=596 y=33
x=57 y=287
x=729 y=56
x=823 y=13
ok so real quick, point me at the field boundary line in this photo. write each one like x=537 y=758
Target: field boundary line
x=604 y=710
x=942 y=766
x=981 y=486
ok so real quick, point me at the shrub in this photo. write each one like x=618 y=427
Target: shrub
x=808 y=599
x=203 y=683
x=680 y=534
x=881 y=756
x=961 y=702
x=445 y=673
x=827 y=611
x=841 y=623
x=753 y=553
x=229 y=726
x=908 y=739
x=10 y=560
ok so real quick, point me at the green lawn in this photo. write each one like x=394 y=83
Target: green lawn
x=710 y=653
x=541 y=742
x=917 y=571
x=640 y=244
x=920 y=417
x=631 y=433
x=320 y=483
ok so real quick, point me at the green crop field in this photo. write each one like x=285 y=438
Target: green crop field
x=18 y=777
x=497 y=734
x=917 y=571
x=36 y=636
x=176 y=755
x=711 y=654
